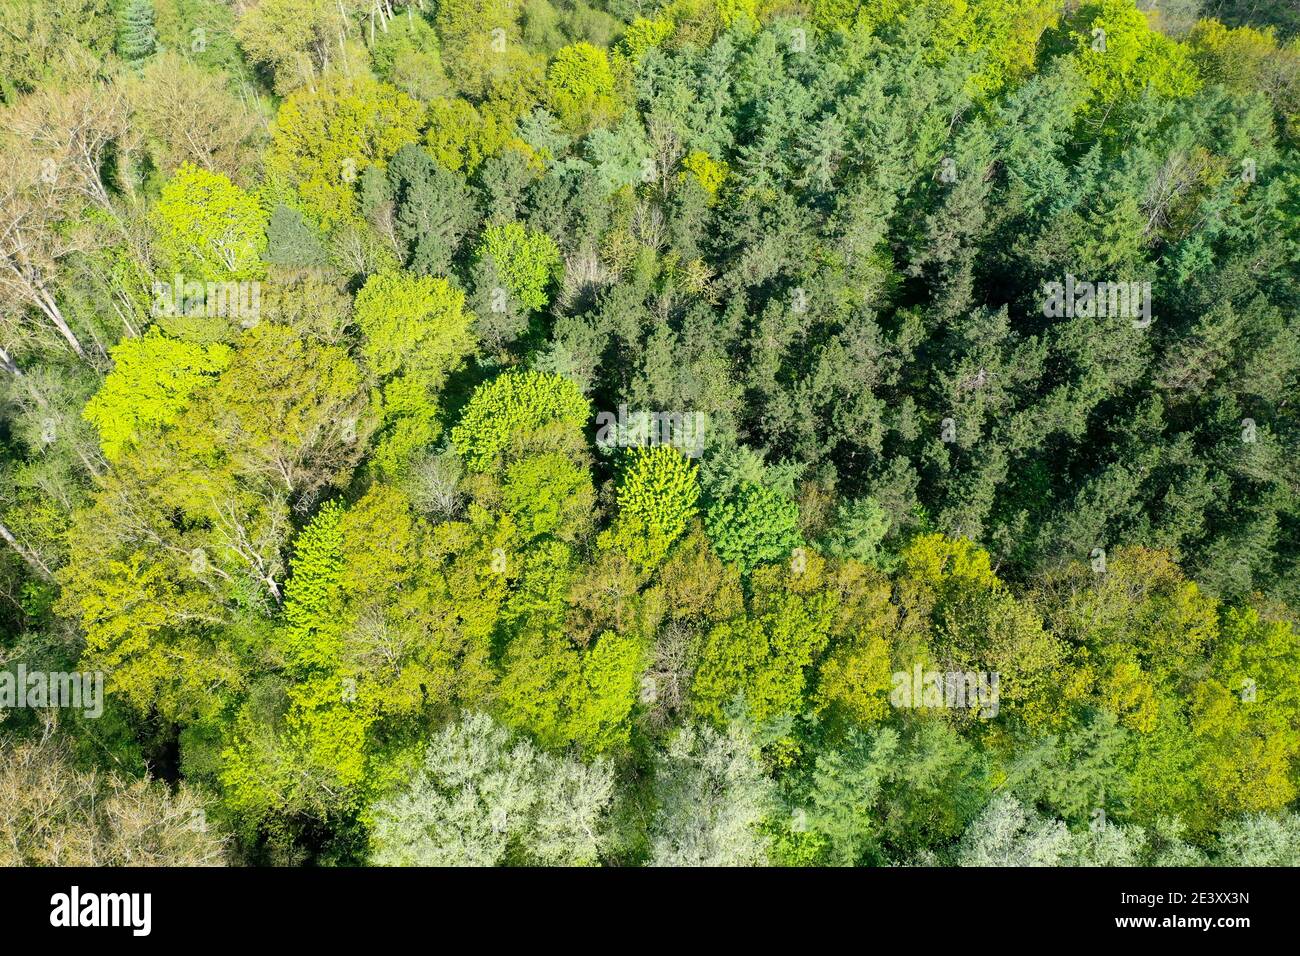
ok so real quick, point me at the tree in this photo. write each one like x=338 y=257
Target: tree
x=291 y=241
x=712 y=796
x=766 y=656
x=481 y=46
x=406 y=54
x=564 y=694
x=1261 y=840
x=54 y=814
x=51 y=176
x=288 y=411
x=184 y=113
x=291 y=38
x=581 y=87
x=434 y=210
x=460 y=136
x=416 y=334
x=755 y=525
x=549 y=494
x=1006 y=834
x=527 y=262
x=313 y=593
x=51 y=40
x=988 y=307
x=1078 y=773
x=518 y=412
x=136 y=36
x=152 y=382
x=150 y=592
x=846 y=785
x=482 y=797
x=209 y=227
x=656 y=498
x=1125 y=57
x=325 y=138
x=857 y=674
x=860 y=526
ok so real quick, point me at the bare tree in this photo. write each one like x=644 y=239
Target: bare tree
x=50 y=163
x=52 y=814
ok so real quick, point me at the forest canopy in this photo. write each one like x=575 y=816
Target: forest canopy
x=607 y=432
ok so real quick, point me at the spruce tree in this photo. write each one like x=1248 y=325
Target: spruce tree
x=136 y=36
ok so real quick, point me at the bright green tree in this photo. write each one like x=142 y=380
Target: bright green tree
x=517 y=411
x=755 y=524
x=657 y=492
x=526 y=260
x=581 y=87
x=417 y=332
x=151 y=383
x=208 y=228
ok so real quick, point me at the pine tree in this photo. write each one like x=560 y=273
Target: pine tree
x=291 y=242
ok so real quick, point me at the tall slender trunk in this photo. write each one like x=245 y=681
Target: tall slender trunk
x=46 y=303
x=29 y=556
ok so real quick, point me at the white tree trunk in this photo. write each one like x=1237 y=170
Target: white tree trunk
x=33 y=562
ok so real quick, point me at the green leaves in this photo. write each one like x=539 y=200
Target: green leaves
x=526 y=260
x=1120 y=56
x=517 y=411
x=326 y=137
x=208 y=228
x=549 y=494
x=434 y=210
x=581 y=86
x=657 y=493
x=754 y=525
x=563 y=694
x=860 y=526
x=413 y=323
x=151 y=383
x=136 y=37
x=416 y=333
x=846 y=786
x=765 y=656
x=314 y=592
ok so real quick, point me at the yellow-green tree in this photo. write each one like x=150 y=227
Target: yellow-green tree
x=327 y=136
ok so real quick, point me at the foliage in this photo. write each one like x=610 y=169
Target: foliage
x=325 y=138
x=151 y=383
x=755 y=525
x=712 y=797
x=657 y=493
x=526 y=261
x=480 y=798
x=514 y=411
x=957 y=569
x=54 y=814
x=208 y=227
x=581 y=86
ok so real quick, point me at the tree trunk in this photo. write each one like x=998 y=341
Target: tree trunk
x=33 y=562
x=51 y=308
